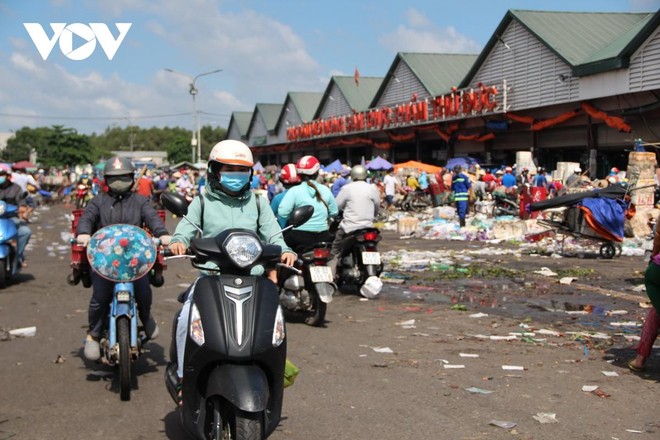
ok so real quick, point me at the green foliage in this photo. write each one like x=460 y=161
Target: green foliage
x=59 y=146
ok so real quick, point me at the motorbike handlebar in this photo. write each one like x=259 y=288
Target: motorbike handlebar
x=291 y=268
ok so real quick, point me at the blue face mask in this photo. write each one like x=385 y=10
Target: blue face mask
x=3 y=179
x=234 y=180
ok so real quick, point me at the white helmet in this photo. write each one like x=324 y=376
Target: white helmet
x=232 y=152
x=577 y=170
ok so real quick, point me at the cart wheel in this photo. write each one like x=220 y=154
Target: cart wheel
x=608 y=251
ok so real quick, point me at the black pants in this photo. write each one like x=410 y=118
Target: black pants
x=99 y=305
x=298 y=240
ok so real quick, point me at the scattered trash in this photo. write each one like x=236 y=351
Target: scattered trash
x=102 y=374
x=626 y=324
x=616 y=312
x=548 y=332
x=468 y=355
x=639 y=288
x=60 y=359
x=502 y=338
x=382 y=349
x=25 y=332
x=600 y=393
x=475 y=390
x=635 y=431
x=407 y=324
x=454 y=366
x=479 y=315
x=513 y=368
x=546 y=272
x=460 y=307
x=503 y=424
x=610 y=373
x=589 y=388
x=546 y=417
x=567 y=280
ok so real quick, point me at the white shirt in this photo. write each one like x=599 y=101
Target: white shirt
x=390 y=184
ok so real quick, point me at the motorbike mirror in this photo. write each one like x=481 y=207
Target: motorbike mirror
x=174 y=203
x=301 y=215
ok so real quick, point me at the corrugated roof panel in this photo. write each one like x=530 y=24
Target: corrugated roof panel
x=578 y=37
x=359 y=97
x=439 y=72
x=306 y=103
x=270 y=114
x=242 y=120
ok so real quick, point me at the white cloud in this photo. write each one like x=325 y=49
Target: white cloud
x=420 y=35
x=644 y=5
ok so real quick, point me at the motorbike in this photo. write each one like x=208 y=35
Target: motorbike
x=359 y=265
x=306 y=293
x=235 y=350
x=416 y=200
x=122 y=253
x=83 y=195
x=505 y=205
x=10 y=265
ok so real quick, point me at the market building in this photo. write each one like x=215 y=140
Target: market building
x=565 y=86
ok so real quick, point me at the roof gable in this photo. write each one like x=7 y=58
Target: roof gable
x=588 y=42
x=269 y=114
x=242 y=122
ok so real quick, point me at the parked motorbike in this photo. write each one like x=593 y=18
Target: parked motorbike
x=9 y=261
x=235 y=349
x=505 y=205
x=306 y=293
x=122 y=253
x=359 y=265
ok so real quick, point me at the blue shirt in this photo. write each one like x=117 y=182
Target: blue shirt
x=509 y=180
x=305 y=194
x=338 y=185
x=275 y=205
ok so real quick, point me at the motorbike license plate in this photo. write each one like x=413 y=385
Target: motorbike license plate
x=320 y=274
x=371 y=257
x=123 y=296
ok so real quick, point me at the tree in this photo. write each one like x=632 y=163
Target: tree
x=54 y=145
x=179 y=150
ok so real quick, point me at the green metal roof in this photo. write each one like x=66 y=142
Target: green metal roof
x=589 y=42
x=270 y=113
x=438 y=72
x=359 y=97
x=306 y=103
x=242 y=121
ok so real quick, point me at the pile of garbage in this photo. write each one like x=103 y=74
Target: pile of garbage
x=533 y=235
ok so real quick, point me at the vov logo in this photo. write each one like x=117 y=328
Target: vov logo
x=64 y=33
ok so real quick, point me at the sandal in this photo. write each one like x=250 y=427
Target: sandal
x=179 y=394
x=633 y=367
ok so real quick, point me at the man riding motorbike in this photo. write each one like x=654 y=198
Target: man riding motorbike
x=118 y=205
x=359 y=202
x=13 y=194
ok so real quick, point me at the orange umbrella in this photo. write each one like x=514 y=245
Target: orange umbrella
x=413 y=164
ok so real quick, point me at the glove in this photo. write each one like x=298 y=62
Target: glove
x=83 y=239
x=165 y=239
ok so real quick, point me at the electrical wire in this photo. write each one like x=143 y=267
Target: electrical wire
x=88 y=118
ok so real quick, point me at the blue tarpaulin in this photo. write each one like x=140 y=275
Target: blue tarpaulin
x=335 y=167
x=464 y=162
x=608 y=213
x=379 y=164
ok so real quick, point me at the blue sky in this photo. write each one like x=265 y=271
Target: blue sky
x=264 y=48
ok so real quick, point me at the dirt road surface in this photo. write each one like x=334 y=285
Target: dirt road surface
x=392 y=368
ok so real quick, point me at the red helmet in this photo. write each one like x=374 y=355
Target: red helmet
x=308 y=165
x=289 y=174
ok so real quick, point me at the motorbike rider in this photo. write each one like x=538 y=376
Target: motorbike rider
x=462 y=189
x=118 y=205
x=288 y=177
x=227 y=203
x=13 y=194
x=309 y=192
x=359 y=202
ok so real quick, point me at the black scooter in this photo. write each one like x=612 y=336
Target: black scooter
x=235 y=350
x=505 y=205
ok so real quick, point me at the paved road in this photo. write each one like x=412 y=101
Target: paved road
x=349 y=388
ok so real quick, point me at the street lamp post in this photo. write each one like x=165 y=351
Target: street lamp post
x=197 y=135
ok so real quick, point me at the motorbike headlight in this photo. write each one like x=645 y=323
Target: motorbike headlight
x=243 y=249
x=278 y=330
x=3 y=207
x=196 y=329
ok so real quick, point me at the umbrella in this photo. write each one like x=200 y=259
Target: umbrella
x=379 y=164
x=100 y=165
x=417 y=165
x=258 y=167
x=464 y=162
x=335 y=167
x=24 y=164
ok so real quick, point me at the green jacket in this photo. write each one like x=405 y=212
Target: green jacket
x=222 y=212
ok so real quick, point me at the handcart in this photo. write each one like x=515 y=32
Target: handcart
x=596 y=215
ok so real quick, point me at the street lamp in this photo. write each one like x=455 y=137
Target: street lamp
x=196 y=138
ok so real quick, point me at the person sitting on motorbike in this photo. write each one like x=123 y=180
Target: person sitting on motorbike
x=12 y=194
x=359 y=202
x=309 y=192
x=412 y=182
x=184 y=186
x=227 y=203
x=340 y=181
x=288 y=178
x=118 y=205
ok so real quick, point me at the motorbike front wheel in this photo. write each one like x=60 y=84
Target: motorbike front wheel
x=124 y=341
x=244 y=426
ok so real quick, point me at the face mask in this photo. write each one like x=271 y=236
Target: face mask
x=234 y=180
x=121 y=185
x=3 y=179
